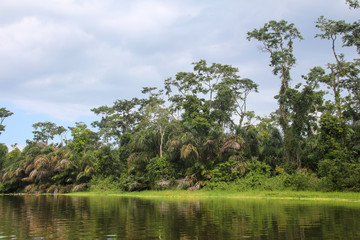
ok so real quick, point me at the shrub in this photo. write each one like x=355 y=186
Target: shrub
x=100 y=183
x=301 y=180
x=340 y=174
x=229 y=171
x=159 y=169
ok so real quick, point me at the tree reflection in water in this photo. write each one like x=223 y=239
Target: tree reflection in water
x=64 y=217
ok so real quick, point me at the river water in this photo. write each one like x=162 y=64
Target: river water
x=110 y=217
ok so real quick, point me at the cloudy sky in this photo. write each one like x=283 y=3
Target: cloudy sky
x=60 y=58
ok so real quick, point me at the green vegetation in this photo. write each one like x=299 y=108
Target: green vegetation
x=4 y=114
x=218 y=194
x=197 y=132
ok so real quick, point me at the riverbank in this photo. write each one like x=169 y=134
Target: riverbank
x=183 y=194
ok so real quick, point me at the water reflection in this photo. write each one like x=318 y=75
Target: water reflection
x=63 y=217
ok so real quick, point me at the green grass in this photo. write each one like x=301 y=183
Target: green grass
x=183 y=194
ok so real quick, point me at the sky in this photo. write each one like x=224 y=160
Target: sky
x=61 y=58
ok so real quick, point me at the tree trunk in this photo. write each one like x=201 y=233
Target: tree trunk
x=161 y=141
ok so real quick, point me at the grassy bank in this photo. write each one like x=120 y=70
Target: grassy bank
x=183 y=194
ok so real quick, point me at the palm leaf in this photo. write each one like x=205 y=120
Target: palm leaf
x=232 y=142
x=30 y=188
x=26 y=179
x=229 y=145
x=173 y=144
x=54 y=159
x=189 y=152
x=89 y=171
x=78 y=188
x=41 y=162
x=33 y=174
x=4 y=177
x=19 y=171
x=64 y=164
x=41 y=174
x=29 y=168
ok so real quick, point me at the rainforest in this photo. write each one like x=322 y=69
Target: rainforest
x=197 y=133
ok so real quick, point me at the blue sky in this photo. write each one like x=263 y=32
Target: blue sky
x=60 y=58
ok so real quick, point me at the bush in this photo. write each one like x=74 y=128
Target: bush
x=159 y=169
x=105 y=163
x=229 y=171
x=130 y=182
x=105 y=184
x=301 y=180
x=340 y=175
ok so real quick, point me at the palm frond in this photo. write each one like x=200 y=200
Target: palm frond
x=78 y=188
x=26 y=179
x=89 y=171
x=19 y=171
x=173 y=144
x=54 y=159
x=29 y=168
x=30 y=188
x=80 y=176
x=41 y=174
x=229 y=145
x=64 y=164
x=8 y=176
x=41 y=162
x=232 y=142
x=189 y=152
x=4 y=176
x=52 y=189
x=33 y=174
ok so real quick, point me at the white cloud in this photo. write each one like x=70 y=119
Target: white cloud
x=63 y=111
x=62 y=57
x=141 y=19
x=32 y=46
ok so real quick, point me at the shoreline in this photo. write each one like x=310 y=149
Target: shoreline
x=352 y=197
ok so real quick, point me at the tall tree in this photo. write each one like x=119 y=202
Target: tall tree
x=119 y=119
x=209 y=77
x=45 y=131
x=211 y=93
x=4 y=114
x=83 y=138
x=343 y=75
x=155 y=115
x=277 y=39
x=232 y=95
x=353 y=3
x=304 y=105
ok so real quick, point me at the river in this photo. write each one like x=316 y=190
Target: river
x=114 y=217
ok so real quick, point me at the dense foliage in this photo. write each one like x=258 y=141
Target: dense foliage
x=197 y=131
